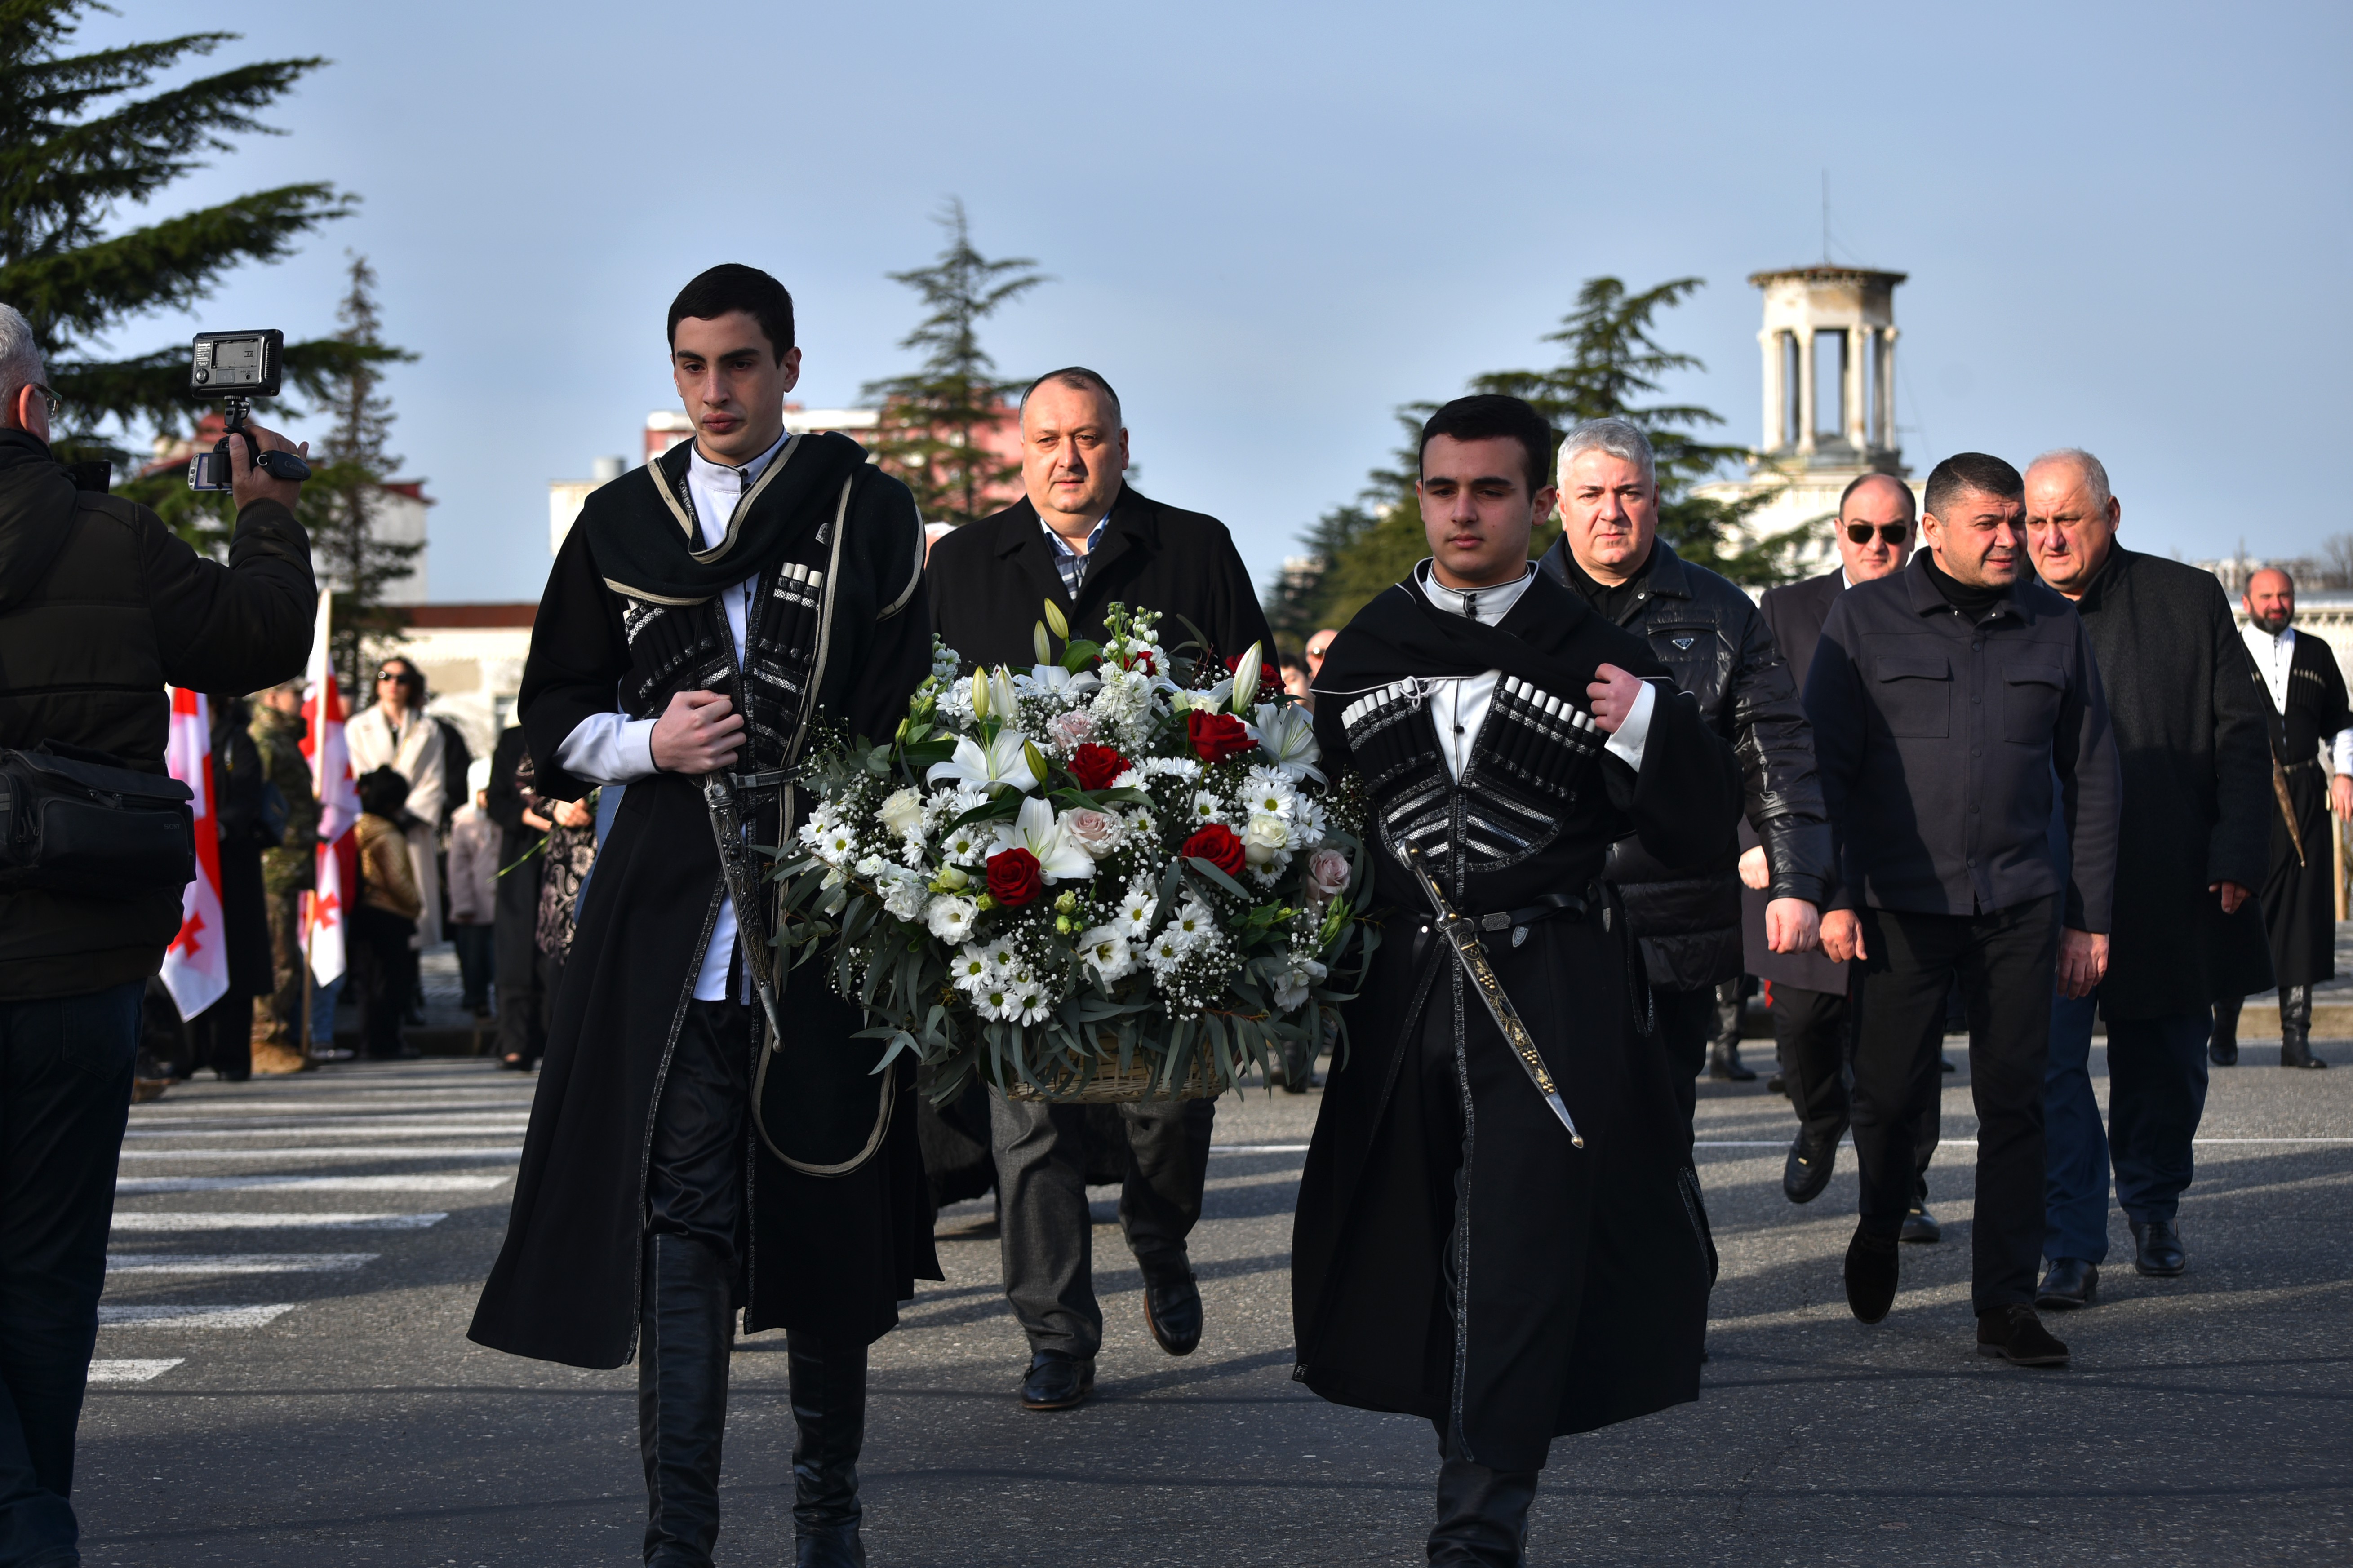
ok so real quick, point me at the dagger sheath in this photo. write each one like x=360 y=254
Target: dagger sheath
x=743 y=881
x=1461 y=934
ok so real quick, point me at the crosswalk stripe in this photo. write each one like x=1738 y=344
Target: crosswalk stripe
x=340 y=1127
x=422 y=1181
x=480 y=1154
x=238 y=1262
x=148 y=1223
x=179 y=1317
x=133 y=1369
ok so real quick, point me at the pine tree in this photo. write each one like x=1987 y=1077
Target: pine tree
x=348 y=473
x=931 y=420
x=78 y=140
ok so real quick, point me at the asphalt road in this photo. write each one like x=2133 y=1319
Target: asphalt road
x=294 y=1264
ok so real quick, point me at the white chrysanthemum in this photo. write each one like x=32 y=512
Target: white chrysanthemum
x=964 y=846
x=1000 y=956
x=970 y=970
x=1165 y=953
x=1030 y=1004
x=1133 y=919
x=902 y=893
x=1193 y=925
x=950 y=920
x=833 y=843
x=1207 y=809
x=995 y=1001
x=1269 y=794
x=1105 y=949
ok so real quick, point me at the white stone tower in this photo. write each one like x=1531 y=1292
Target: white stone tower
x=1829 y=351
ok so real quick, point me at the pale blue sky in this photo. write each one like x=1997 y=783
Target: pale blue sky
x=2126 y=227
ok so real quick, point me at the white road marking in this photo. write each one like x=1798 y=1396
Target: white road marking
x=1258 y=1148
x=421 y=1182
x=479 y=1126
x=1968 y=1143
x=238 y=1262
x=485 y=1154
x=162 y=1317
x=186 y=1222
x=133 y=1370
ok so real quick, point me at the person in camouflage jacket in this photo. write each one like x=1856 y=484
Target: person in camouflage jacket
x=287 y=870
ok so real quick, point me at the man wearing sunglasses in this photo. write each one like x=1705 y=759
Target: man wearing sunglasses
x=1813 y=1022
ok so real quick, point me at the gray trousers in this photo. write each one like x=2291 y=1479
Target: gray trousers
x=1042 y=1190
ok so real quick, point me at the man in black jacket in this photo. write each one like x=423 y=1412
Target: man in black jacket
x=1813 y=1020
x=522 y=988
x=1081 y=540
x=101 y=605
x=1946 y=699
x=1709 y=634
x=2192 y=845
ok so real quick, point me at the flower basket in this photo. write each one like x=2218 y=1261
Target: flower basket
x=1119 y=875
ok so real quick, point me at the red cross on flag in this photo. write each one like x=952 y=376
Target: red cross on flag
x=195 y=966
x=339 y=805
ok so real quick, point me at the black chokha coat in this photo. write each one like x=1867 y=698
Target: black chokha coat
x=626 y=612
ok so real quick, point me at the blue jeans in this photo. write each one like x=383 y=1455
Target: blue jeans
x=2157 y=1094
x=65 y=1095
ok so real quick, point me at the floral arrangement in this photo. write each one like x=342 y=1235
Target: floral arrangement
x=1123 y=858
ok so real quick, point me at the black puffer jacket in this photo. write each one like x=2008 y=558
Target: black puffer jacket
x=101 y=605
x=1708 y=632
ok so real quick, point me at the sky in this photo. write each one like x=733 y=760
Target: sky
x=2126 y=227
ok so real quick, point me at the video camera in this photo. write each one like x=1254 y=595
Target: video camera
x=237 y=368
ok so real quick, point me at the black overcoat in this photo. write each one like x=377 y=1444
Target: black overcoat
x=992 y=577
x=830 y=1253
x=2189 y=724
x=1585 y=1272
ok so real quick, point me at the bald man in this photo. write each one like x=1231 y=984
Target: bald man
x=1813 y=1024
x=2308 y=711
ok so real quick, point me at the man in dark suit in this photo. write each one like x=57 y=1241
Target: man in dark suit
x=1081 y=540
x=1813 y=1017
x=2194 y=842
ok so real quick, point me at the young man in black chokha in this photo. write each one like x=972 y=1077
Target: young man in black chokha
x=743 y=593
x=1498 y=1227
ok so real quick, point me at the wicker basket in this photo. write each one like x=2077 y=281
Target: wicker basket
x=1108 y=1086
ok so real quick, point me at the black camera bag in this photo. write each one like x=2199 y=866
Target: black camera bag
x=75 y=821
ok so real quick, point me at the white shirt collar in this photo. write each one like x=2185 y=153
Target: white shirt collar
x=743 y=474
x=1487 y=606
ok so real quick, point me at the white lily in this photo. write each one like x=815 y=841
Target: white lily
x=1287 y=735
x=1054 y=681
x=1004 y=761
x=1060 y=858
x=1001 y=695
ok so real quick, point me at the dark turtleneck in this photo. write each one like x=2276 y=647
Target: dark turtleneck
x=1614 y=601
x=1967 y=597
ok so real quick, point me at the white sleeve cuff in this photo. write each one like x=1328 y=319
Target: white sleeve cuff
x=608 y=748
x=1627 y=743
x=2340 y=755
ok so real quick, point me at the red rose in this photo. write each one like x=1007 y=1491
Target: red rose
x=1013 y=879
x=1095 y=766
x=1270 y=679
x=1145 y=662
x=1216 y=736
x=1217 y=844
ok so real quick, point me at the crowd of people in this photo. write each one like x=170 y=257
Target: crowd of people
x=1995 y=768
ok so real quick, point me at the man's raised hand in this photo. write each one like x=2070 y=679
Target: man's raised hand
x=699 y=732
x=1612 y=694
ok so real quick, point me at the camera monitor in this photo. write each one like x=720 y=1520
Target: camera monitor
x=236 y=365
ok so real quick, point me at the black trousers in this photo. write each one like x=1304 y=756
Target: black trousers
x=694 y=1174
x=384 y=965
x=1046 y=1238
x=1686 y=1025
x=524 y=997
x=2005 y=962
x=221 y=1036
x=1813 y=1031
x=65 y=1095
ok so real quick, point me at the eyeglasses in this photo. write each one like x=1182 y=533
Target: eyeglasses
x=400 y=675
x=1889 y=532
x=47 y=397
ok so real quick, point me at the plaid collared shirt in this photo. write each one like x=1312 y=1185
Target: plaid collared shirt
x=1068 y=562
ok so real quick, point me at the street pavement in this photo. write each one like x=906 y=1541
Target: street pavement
x=284 y=1377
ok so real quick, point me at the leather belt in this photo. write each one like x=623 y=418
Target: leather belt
x=769 y=780
x=2308 y=762
x=1550 y=906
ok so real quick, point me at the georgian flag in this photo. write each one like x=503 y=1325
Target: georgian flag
x=339 y=805
x=195 y=966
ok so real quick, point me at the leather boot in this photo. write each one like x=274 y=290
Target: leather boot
x=686 y=1333
x=2295 y=1029
x=2222 y=1045
x=829 y=1384
x=1482 y=1516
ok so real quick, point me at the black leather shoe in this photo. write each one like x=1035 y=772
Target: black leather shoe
x=1058 y=1382
x=1482 y=1516
x=1171 y=1310
x=1807 y=1171
x=1724 y=1062
x=1920 y=1226
x=1870 y=1275
x=2016 y=1335
x=2068 y=1284
x=1948 y=1064
x=2158 y=1251
x=1776 y=1084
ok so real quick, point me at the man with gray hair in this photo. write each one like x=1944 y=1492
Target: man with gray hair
x=100 y=607
x=1709 y=634
x=2192 y=840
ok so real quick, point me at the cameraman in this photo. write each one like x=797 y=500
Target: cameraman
x=101 y=607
